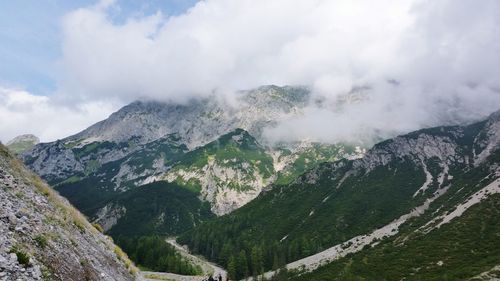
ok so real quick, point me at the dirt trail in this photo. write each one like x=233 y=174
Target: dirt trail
x=207 y=267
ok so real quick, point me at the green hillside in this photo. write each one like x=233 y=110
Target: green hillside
x=338 y=201
x=159 y=208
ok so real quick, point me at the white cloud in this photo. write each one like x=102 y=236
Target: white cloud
x=24 y=113
x=229 y=44
x=443 y=54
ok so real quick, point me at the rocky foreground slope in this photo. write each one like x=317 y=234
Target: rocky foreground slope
x=42 y=237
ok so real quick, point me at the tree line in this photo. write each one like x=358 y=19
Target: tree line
x=154 y=253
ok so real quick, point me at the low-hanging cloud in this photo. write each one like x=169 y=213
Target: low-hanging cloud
x=424 y=62
x=22 y=112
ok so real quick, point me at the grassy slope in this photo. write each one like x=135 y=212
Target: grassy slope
x=234 y=150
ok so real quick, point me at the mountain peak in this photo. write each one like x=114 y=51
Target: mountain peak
x=22 y=143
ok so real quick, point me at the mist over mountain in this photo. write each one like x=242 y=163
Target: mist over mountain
x=420 y=63
x=305 y=140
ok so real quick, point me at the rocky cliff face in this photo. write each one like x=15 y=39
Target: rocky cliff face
x=421 y=206
x=150 y=141
x=453 y=234
x=457 y=146
x=42 y=237
x=196 y=123
x=199 y=121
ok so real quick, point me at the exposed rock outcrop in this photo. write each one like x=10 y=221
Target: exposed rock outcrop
x=42 y=237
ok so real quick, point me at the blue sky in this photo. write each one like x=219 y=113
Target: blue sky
x=30 y=36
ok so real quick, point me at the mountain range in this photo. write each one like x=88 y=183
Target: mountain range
x=212 y=148
x=420 y=206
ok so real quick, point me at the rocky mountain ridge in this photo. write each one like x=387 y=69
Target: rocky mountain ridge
x=403 y=191
x=150 y=141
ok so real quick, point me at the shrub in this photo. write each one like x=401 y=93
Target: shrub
x=41 y=241
x=22 y=257
x=98 y=227
x=79 y=224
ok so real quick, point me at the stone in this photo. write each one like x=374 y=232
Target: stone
x=12 y=219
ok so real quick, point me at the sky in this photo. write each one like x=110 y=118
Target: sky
x=424 y=62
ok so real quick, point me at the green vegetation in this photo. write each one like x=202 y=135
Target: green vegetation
x=237 y=150
x=41 y=241
x=291 y=222
x=328 y=205
x=157 y=277
x=92 y=189
x=22 y=143
x=459 y=250
x=159 y=208
x=334 y=203
x=20 y=147
x=71 y=179
x=22 y=256
x=98 y=227
x=122 y=256
x=155 y=254
x=310 y=158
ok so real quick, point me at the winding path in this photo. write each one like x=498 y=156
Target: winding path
x=207 y=267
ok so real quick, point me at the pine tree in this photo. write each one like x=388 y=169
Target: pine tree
x=257 y=263
x=242 y=264
x=232 y=269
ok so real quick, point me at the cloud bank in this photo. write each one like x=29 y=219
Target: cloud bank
x=424 y=62
x=22 y=112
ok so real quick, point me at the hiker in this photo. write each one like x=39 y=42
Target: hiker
x=220 y=277
x=211 y=278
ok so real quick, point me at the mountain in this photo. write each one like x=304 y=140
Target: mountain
x=155 y=208
x=213 y=147
x=193 y=124
x=421 y=206
x=22 y=143
x=42 y=237
x=227 y=172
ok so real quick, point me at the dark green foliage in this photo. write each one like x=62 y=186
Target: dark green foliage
x=88 y=194
x=41 y=240
x=159 y=208
x=466 y=247
x=23 y=257
x=93 y=189
x=291 y=222
x=155 y=254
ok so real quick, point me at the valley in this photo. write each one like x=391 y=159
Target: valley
x=284 y=211
x=271 y=140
